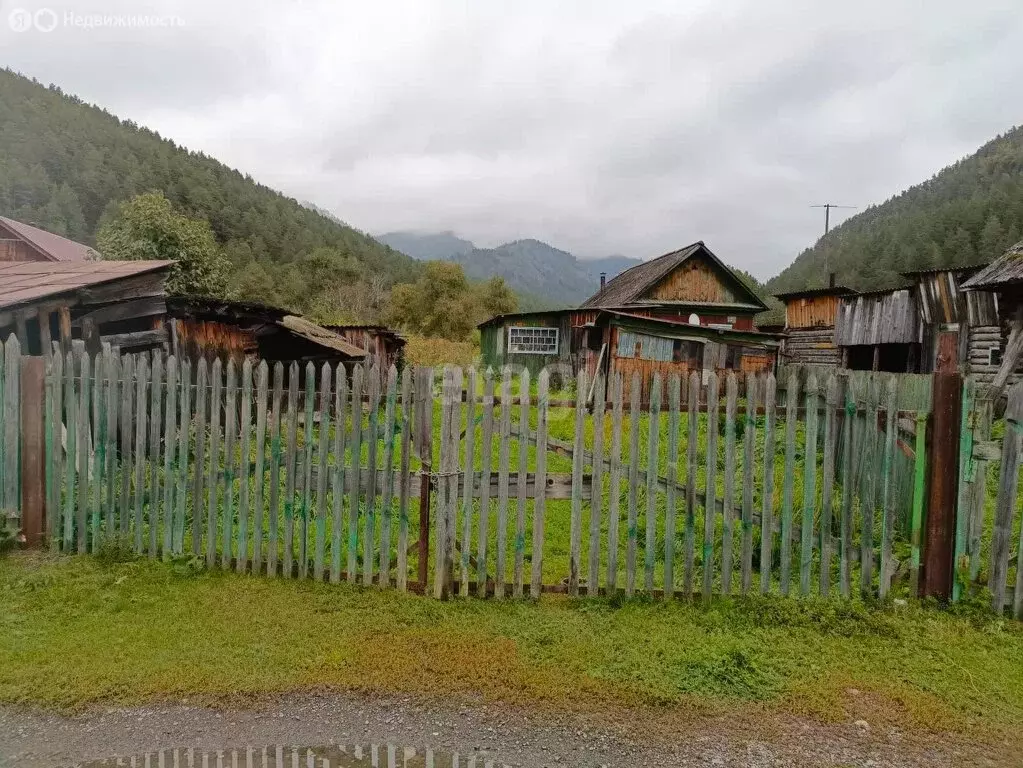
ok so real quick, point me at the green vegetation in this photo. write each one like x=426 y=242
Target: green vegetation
x=74 y=631
x=968 y=213
x=146 y=227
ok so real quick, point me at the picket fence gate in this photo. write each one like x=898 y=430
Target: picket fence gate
x=465 y=483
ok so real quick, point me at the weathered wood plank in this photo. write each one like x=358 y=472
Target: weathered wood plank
x=388 y=491
x=868 y=497
x=749 y=439
x=258 y=516
x=1005 y=504
x=322 y=448
x=354 y=476
x=181 y=471
x=153 y=460
x=71 y=451
x=919 y=493
x=848 y=491
x=99 y=447
x=634 y=460
x=276 y=453
x=576 y=521
x=540 y=502
x=54 y=448
x=728 y=497
x=290 y=470
x=372 y=441
x=214 y=458
x=831 y=402
x=791 y=401
x=889 y=481
x=82 y=507
x=337 y=486
x=141 y=399
x=468 y=490
x=693 y=431
x=453 y=474
x=486 y=460
x=520 y=509
x=503 y=459
x=199 y=467
x=710 y=495
x=767 y=524
x=614 y=497
x=170 y=455
x=245 y=453
x=597 y=487
x=440 y=576
x=404 y=493
x=809 y=486
x=653 y=453
x=305 y=498
x=230 y=440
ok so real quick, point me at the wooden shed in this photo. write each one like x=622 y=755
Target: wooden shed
x=210 y=327
x=879 y=330
x=810 y=325
x=1004 y=278
x=385 y=346
x=959 y=329
x=117 y=302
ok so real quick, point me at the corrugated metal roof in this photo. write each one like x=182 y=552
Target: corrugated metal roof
x=1007 y=269
x=935 y=270
x=22 y=282
x=627 y=287
x=54 y=247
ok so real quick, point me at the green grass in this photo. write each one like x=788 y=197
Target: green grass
x=81 y=630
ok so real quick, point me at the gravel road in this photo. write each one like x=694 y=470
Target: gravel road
x=36 y=739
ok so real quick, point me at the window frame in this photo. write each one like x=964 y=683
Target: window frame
x=516 y=347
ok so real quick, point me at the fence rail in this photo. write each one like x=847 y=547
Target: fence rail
x=460 y=482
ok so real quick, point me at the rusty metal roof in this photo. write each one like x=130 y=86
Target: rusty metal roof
x=1007 y=269
x=53 y=247
x=24 y=282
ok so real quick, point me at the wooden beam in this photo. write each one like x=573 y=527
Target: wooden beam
x=21 y=329
x=45 y=341
x=943 y=491
x=64 y=324
x=33 y=456
x=136 y=339
x=1011 y=358
x=126 y=310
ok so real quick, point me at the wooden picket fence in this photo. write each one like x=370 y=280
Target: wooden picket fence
x=10 y=431
x=460 y=482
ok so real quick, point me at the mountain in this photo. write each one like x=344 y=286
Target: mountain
x=969 y=213
x=66 y=165
x=543 y=275
x=425 y=246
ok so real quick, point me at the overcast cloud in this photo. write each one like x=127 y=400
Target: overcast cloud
x=600 y=127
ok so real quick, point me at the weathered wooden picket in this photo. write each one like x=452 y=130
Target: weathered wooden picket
x=10 y=431
x=472 y=483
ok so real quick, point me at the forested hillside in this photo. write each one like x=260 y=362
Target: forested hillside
x=968 y=213
x=66 y=166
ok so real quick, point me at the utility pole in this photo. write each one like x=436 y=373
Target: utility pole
x=827 y=226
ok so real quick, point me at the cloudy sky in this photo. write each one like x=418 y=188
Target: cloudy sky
x=600 y=127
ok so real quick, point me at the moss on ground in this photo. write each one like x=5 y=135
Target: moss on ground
x=75 y=631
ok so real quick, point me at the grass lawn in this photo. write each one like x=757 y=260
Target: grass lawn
x=75 y=631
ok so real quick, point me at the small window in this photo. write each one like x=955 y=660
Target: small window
x=994 y=356
x=532 y=341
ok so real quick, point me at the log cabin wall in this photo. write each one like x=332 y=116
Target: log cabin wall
x=812 y=346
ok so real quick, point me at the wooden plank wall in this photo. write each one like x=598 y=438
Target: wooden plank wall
x=811 y=312
x=695 y=280
x=882 y=318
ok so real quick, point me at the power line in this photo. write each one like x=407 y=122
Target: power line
x=827 y=213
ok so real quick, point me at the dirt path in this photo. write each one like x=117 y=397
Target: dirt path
x=39 y=739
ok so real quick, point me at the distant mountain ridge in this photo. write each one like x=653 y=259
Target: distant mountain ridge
x=531 y=267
